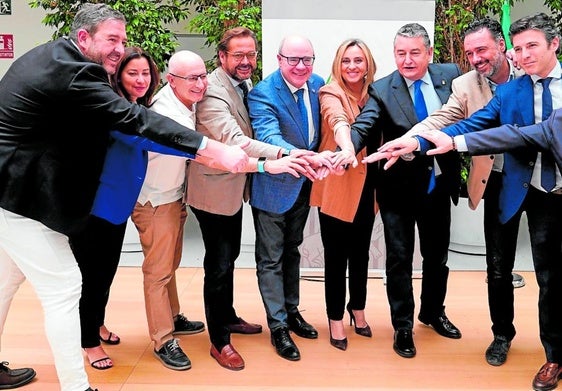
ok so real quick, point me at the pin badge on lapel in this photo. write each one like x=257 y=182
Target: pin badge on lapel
x=443 y=82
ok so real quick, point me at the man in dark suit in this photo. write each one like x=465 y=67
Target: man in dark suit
x=280 y=203
x=405 y=193
x=56 y=111
x=529 y=182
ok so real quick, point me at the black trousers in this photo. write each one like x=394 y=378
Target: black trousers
x=97 y=250
x=432 y=214
x=346 y=246
x=501 y=243
x=221 y=237
x=544 y=213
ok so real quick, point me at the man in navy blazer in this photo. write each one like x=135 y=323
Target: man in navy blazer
x=280 y=203
x=404 y=194
x=520 y=103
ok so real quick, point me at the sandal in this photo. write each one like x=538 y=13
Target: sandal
x=109 y=339
x=99 y=367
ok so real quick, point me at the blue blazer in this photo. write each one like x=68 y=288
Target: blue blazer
x=123 y=174
x=512 y=104
x=276 y=120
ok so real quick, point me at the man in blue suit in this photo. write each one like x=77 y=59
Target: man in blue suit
x=405 y=194
x=525 y=101
x=285 y=111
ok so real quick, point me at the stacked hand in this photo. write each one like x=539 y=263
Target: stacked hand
x=392 y=150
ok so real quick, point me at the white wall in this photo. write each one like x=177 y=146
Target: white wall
x=25 y=25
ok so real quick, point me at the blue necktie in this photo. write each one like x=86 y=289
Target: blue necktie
x=548 y=172
x=302 y=108
x=421 y=112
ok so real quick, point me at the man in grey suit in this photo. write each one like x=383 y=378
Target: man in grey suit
x=411 y=193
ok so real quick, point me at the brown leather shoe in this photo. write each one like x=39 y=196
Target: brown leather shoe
x=243 y=327
x=228 y=357
x=547 y=377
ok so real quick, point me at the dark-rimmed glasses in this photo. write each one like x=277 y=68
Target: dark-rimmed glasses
x=239 y=56
x=294 y=61
x=191 y=78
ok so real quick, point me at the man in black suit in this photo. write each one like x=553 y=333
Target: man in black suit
x=56 y=110
x=417 y=192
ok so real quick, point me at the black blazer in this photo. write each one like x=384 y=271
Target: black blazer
x=388 y=114
x=56 y=111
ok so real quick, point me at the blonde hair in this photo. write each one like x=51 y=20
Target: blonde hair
x=371 y=66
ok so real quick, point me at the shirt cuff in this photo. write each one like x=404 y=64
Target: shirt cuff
x=460 y=141
x=203 y=144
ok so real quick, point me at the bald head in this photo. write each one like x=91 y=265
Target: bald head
x=296 y=58
x=187 y=76
x=295 y=40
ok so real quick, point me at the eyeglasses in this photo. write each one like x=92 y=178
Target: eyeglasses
x=239 y=56
x=294 y=61
x=192 y=78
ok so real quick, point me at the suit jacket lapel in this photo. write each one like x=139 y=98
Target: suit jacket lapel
x=234 y=97
x=440 y=84
x=403 y=99
x=526 y=94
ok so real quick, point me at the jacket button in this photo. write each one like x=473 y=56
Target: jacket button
x=484 y=181
x=531 y=164
x=492 y=157
x=525 y=185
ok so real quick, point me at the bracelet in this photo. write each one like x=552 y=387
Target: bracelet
x=261 y=165
x=453 y=143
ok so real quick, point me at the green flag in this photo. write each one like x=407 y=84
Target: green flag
x=506 y=22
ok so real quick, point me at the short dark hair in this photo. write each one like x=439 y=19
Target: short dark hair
x=235 y=32
x=539 y=22
x=492 y=25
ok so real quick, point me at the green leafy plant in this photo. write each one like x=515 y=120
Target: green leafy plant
x=452 y=17
x=146 y=21
x=214 y=17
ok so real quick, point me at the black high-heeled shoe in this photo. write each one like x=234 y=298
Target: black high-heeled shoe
x=363 y=331
x=340 y=344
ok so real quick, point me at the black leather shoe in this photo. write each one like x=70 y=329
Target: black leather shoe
x=183 y=326
x=301 y=327
x=496 y=354
x=404 y=343
x=443 y=326
x=14 y=378
x=284 y=345
x=172 y=356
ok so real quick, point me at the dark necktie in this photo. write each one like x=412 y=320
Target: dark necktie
x=548 y=172
x=302 y=109
x=244 y=87
x=421 y=112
